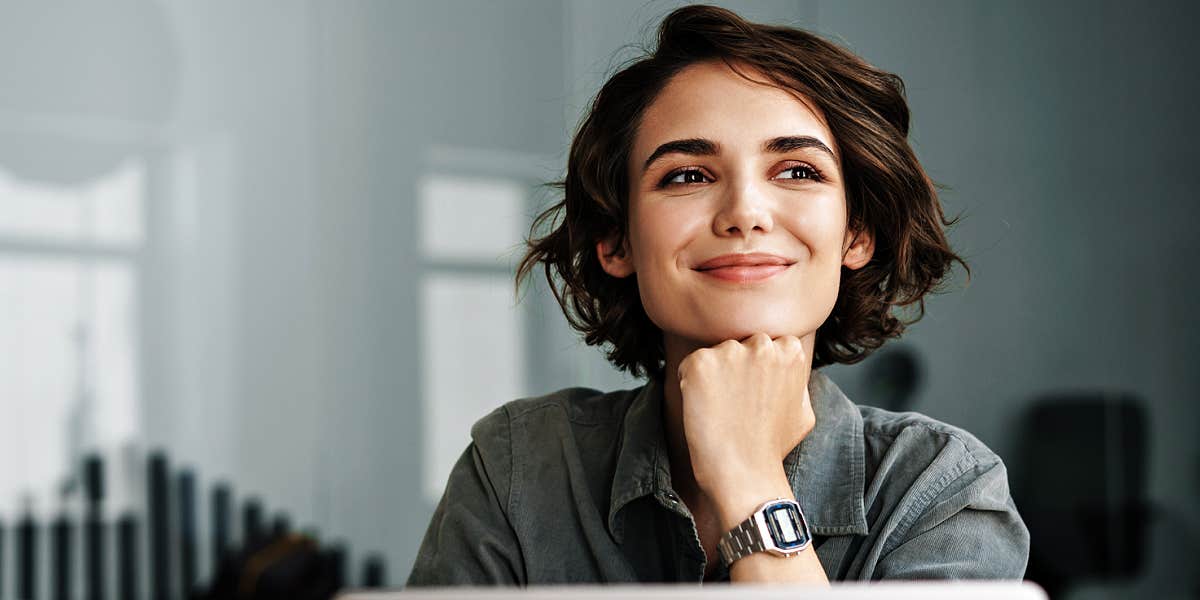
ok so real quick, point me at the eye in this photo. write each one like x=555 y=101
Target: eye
x=683 y=177
x=800 y=172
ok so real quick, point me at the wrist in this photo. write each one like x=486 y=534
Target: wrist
x=736 y=501
x=777 y=527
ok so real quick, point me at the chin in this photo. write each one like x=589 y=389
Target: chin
x=709 y=325
x=744 y=329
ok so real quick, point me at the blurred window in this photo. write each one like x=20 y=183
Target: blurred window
x=472 y=353
x=69 y=262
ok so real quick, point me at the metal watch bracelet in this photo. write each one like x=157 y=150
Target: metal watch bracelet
x=741 y=541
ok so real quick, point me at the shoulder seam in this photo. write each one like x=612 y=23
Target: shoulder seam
x=928 y=495
x=528 y=409
x=512 y=462
x=533 y=405
x=972 y=448
x=514 y=494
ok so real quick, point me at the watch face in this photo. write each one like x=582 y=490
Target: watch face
x=786 y=525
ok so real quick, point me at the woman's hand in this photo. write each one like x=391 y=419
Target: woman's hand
x=745 y=406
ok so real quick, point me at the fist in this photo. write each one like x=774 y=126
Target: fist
x=745 y=406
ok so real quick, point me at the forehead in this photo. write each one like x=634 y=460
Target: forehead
x=711 y=100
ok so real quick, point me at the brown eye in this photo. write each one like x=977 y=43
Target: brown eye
x=683 y=177
x=800 y=172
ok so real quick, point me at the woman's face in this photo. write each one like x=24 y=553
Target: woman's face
x=719 y=166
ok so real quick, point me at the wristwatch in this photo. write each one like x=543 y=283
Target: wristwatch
x=777 y=527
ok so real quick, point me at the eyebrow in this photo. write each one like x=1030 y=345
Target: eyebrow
x=705 y=147
x=693 y=146
x=788 y=143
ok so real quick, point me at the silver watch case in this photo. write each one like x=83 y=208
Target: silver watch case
x=778 y=527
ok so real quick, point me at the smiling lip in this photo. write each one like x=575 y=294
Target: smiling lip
x=754 y=266
x=745 y=273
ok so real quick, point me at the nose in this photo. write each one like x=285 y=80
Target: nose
x=745 y=207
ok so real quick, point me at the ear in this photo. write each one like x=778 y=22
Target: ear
x=859 y=247
x=617 y=262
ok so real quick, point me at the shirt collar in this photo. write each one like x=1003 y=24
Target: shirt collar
x=825 y=469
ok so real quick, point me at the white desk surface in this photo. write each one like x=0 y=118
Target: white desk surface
x=954 y=590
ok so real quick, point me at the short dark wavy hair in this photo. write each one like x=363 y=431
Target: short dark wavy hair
x=888 y=192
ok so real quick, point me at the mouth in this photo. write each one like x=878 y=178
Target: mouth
x=744 y=268
x=744 y=273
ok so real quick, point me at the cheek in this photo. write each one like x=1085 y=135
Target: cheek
x=653 y=261
x=659 y=235
x=820 y=230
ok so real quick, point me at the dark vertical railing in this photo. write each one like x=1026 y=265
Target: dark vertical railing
x=297 y=563
x=222 y=512
x=128 y=576
x=281 y=526
x=374 y=572
x=93 y=525
x=2 y=563
x=27 y=539
x=252 y=523
x=60 y=561
x=187 y=533
x=336 y=557
x=160 y=528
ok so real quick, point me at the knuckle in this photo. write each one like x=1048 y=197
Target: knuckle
x=789 y=343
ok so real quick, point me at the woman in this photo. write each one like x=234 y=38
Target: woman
x=741 y=208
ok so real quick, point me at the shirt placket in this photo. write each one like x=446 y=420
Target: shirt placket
x=694 y=562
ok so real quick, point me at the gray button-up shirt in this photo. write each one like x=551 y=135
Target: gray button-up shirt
x=575 y=486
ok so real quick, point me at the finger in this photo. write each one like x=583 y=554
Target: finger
x=757 y=339
x=685 y=365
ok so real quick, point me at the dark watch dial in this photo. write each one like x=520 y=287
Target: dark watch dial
x=786 y=525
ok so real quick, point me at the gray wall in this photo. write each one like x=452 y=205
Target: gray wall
x=279 y=315
x=1063 y=131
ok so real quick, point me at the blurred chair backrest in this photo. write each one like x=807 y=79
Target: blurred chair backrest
x=892 y=378
x=1081 y=487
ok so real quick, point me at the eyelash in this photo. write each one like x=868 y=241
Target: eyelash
x=813 y=175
